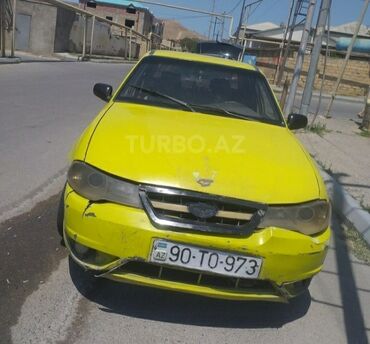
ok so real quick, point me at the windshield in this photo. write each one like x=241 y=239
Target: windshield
x=202 y=87
x=219 y=49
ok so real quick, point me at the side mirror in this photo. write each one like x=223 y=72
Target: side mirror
x=103 y=91
x=297 y=121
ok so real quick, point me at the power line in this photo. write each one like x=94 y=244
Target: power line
x=254 y=10
x=187 y=17
x=270 y=8
x=235 y=7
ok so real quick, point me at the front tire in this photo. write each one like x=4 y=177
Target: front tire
x=60 y=215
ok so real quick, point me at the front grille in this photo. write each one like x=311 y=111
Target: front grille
x=189 y=210
x=172 y=274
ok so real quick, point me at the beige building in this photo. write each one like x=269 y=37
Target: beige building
x=127 y=13
x=44 y=29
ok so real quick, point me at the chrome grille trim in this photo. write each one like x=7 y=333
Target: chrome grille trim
x=234 y=216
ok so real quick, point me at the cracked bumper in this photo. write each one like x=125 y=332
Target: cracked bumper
x=127 y=234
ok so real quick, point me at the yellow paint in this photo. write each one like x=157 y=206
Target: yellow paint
x=245 y=159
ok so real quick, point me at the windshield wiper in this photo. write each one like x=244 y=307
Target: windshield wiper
x=228 y=113
x=222 y=111
x=159 y=94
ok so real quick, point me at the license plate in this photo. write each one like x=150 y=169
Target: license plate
x=203 y=259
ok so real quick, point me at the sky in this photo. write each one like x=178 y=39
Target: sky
x=343 y=11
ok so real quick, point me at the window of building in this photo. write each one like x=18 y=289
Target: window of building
x=129 y=23
x=109 y=18
x=91 y=3
x=131 y=9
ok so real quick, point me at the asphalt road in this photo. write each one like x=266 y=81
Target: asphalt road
x=43 y=109
x=341 y=108
x=46 y=299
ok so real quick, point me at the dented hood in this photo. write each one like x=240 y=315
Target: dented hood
x=237 y=158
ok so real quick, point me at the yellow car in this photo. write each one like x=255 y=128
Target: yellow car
x=191 y=180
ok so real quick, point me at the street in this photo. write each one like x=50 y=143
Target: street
x=43 y=109
x=45 y=298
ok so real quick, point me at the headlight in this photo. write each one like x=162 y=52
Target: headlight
x=95 y=185
x=308 y=218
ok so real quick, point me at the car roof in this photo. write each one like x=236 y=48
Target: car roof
x=202 y=58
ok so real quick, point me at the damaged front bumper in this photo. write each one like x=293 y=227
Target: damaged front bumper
x=115 y=242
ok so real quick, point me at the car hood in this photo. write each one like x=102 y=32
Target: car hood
x=238 y=158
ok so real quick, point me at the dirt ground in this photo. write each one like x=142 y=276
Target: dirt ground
x=343 y=150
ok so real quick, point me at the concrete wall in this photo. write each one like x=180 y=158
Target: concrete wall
x=104 y=41
x=355 y=81
x=43 y=21
x=55 y=29
x=143 y=18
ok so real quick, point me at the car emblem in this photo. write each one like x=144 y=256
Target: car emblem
x=204 y=181
x=202 y=210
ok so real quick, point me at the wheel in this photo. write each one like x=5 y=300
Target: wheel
x=60 y=215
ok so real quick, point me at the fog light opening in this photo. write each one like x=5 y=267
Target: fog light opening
x=89 y=255
x=294 y=289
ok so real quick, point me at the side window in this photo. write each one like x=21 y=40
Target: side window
x=265 y=103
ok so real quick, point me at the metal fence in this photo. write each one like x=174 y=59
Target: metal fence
x=92 y=34
x=135 y=38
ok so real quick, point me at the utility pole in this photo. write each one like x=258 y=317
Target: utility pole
x=348 y=55
x=92 y=35
x=244 y=39
x=211 y=19
x=84 y=38
x=241 y=19
x=315 y=56
x=282 y=62
x=13 y=28
x=366 y=120
x=300 y=12
x=222 y=28
x=2 y=27
x=282 y=45
x=215 y=25
x=300 y=57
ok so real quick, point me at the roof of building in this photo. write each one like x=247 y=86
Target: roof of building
x=276 y=32
x=202 y=58
x=262 y=26
x=123 y=3
x=350 y=28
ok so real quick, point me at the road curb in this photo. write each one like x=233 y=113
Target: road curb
x=9 y=60
x=346 y=207
x=5 y=61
